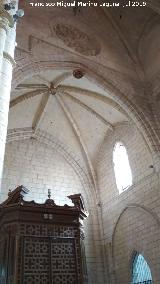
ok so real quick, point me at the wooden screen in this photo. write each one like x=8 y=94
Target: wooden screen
x=41 y=243
x=49 y=261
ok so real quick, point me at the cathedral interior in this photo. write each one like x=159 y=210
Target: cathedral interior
x=80 y=117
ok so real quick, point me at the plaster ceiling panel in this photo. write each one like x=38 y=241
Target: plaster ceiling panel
x=52 y=74
x=91 y=128
x=39 y=81
x=22 y=114
x=29 y=84
x=131 y=22
x=32 y=80
x=55 y=123
x=85 y=84
x=149 y=47
x=16 y=93
x=95 y=29
x=24 y=91
x=102 y=107
x=91 y=26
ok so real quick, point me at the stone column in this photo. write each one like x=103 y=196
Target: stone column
x=7 y=46
x=3 y=33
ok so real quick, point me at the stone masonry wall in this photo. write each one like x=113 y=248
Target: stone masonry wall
x=39 y=167
x=131 y=220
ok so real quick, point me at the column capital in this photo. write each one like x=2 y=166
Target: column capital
x=6 y=20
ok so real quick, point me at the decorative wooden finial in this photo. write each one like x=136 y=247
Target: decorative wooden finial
x=49 y=193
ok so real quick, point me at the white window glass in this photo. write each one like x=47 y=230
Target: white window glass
x=122 y=168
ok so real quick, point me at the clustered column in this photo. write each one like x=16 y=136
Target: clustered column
x=7 y=46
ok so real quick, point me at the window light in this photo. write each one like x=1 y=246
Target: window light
x=122 y=168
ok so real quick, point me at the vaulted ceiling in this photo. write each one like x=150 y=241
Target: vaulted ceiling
x=75 y=111
x=120 y=44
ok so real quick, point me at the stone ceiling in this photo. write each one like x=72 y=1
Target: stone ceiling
x=121 y=45
x=119 y=38
x=75 y=111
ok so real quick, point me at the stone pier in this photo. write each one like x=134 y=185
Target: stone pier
x=7 y=46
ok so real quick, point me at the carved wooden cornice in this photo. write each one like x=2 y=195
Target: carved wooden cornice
x=16 y=196
x=16 y=201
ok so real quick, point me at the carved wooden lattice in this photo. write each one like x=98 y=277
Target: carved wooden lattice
x=53 y=257
x=36 y=260
x=63 y=261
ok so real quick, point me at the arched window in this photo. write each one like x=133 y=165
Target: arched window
x=141 y=273
x=122 y=168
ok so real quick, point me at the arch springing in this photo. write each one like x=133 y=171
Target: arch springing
x=122 y=168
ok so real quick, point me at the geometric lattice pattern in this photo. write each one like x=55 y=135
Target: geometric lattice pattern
x=50 y=254
x=36 y=261
x=63 y=261
x=53 y=230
